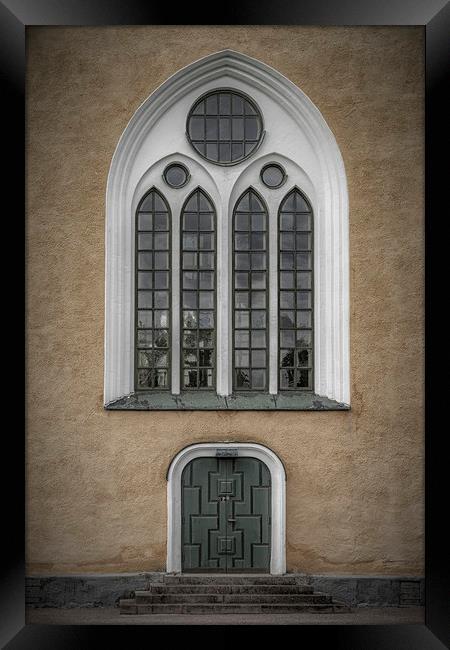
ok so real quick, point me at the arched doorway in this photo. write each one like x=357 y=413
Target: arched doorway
x=256 y=540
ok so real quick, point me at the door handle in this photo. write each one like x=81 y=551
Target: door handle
x=231 y=520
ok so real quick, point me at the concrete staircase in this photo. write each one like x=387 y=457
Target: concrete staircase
x=229 y=594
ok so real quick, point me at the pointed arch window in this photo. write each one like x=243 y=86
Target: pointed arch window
x=295 y=297
x=221 y=271
x=250 y=293
x=198 y=299
x=152 y=293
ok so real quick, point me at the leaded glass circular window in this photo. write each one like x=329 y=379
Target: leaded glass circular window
x=273 y=175
x=224 y=127
x=176 y=175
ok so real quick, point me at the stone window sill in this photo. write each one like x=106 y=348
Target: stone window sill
x=209 y=401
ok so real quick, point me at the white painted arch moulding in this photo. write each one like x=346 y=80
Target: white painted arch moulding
x=325 y=167
x=278 y=514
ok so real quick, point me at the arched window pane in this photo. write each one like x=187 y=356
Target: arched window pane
x=198 y=284
x=250 y=294
x=295 y=304
x=152 y=343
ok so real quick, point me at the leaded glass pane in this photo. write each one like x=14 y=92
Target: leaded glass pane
x=241 y=280
x=145 y=241
x=205 y=378
x=241 y=339
x=161 y=279
x=206 y=241
x=145 y=261
x=145 y=222
x=161 y=241
x=206 y=261
x=198 y=288
x=161 y=318
x=242 y=378
x=144 y=379
x=145 y=299
x=206 y=280
x=206 y=300
x=190 y=319
x=190 y=280
x=161 y=299
x=161 y=260
x=161 y=339
x=295 y=317
x=258 y=280
x=161 y=221
x=205 y=319
x=242 y=319
x=145 y=318
x=258 y=338
x=206 y=339
x=258 y=379
x=190 y=338
x=250 y=290
x=258 y=358
x=145 y=359
x=160 y=358
x=205 y=358
x=161 y=378
x=190 y=241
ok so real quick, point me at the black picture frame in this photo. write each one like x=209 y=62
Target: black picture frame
x=434 y=15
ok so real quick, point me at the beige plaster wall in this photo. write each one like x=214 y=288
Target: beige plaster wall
x=96 y=499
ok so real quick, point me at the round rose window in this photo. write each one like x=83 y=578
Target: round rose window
x=224 y=127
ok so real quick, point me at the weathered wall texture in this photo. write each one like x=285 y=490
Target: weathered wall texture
x=96 y=499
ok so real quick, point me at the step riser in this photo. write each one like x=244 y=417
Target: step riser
x=276 y=599
x=227 y=589
x=230 y=580
x=228 y=609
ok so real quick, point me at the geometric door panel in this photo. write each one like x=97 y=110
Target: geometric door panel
x=226 y=510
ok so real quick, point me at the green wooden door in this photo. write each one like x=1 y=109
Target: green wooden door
x=226 y=507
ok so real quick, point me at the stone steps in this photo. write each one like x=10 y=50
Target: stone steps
x=219 y=579
x=130 y=607
x=229 y=594
x=281 y=599
x=158 y=588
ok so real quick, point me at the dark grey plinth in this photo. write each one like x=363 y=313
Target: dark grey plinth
x=373 y=591
x=106 y=590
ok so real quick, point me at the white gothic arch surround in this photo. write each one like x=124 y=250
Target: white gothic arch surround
x=278 y=513
x=297 y=134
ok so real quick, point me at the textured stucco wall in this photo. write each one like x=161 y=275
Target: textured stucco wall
x=96 y=489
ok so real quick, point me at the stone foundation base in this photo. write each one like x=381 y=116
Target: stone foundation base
x=94 y=590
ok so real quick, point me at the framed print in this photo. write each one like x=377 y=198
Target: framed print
x=226 y=218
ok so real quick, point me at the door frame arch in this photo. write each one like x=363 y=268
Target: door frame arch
x=278 y=506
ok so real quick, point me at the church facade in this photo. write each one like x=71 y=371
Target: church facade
x=225 y=303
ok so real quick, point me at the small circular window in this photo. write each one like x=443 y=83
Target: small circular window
x=176 y=175
x=273 y=175
x=224 y=127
